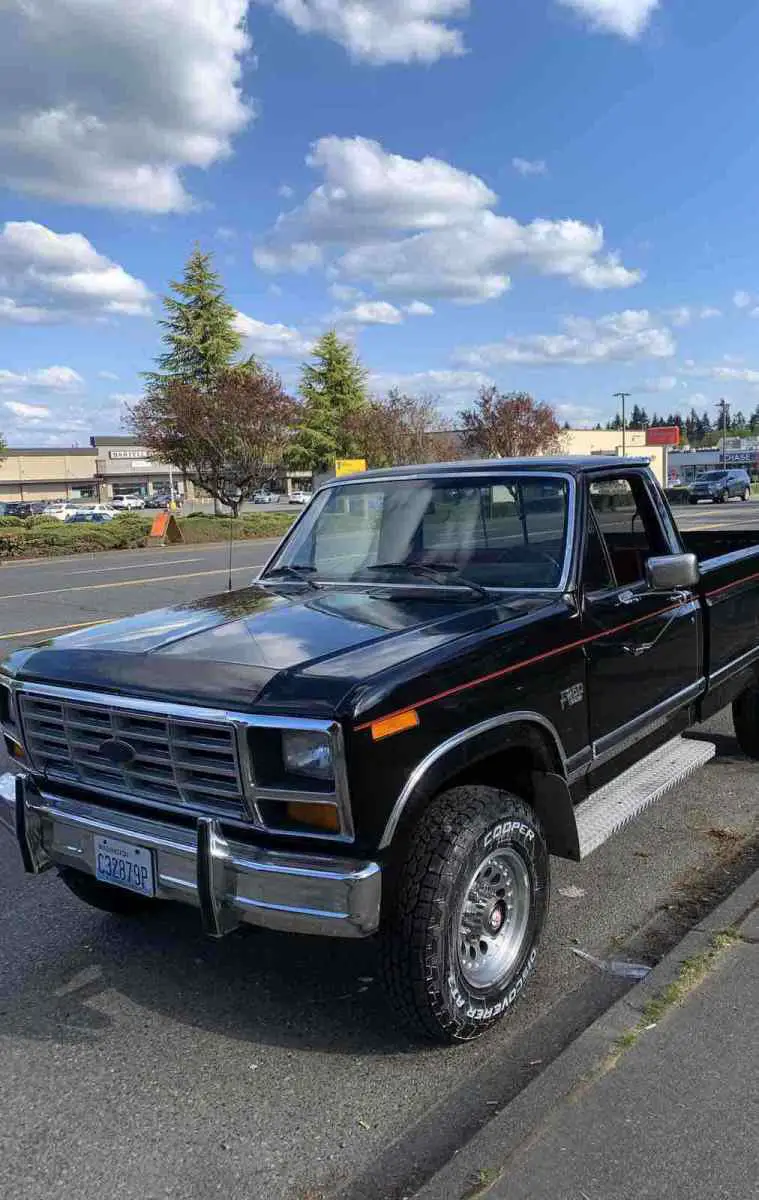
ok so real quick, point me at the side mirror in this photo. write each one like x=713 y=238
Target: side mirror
x=672 y=571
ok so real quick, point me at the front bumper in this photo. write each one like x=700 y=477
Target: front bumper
x=230 y=882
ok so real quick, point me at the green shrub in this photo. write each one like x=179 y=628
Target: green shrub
x=11 y=523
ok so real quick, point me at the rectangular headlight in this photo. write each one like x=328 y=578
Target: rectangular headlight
x=309 y=754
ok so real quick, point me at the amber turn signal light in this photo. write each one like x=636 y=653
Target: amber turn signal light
x=316 y=816
x=387 y=726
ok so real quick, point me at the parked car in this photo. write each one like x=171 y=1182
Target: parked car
x=156 y=501
x=299 y=497
x=60 y=509
x=127 y=503
x=88 y=517
x=265 y=497
x=398 y=724
x=18 y=508
x=719 y=486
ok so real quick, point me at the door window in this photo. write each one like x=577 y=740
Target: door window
x=627 y=525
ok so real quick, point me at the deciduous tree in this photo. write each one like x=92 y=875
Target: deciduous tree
x=509 y=425
x=229 y=435
x=396 y=430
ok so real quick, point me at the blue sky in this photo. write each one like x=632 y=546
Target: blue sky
x=556 y=195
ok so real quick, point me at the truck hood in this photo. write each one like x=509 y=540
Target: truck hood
x=276 y=650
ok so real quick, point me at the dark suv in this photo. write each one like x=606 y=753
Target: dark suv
x=719 y=486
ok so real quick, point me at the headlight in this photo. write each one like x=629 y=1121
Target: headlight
x=307 y=754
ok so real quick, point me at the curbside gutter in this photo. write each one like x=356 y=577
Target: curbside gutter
x=480 y=1164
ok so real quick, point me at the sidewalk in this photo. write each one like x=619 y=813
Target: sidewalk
x=658 y=1100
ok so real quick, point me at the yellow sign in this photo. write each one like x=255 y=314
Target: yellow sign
x=349 y=466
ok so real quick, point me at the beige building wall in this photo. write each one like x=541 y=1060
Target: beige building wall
x=609 y=441
x=46 y=475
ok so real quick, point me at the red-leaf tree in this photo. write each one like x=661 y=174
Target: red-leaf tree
x=396 y=430
x=509 y=425
x=229 y=436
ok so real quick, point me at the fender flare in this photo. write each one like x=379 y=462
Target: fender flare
x=552 y=797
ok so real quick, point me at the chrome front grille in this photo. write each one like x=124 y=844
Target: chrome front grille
x=174 y=761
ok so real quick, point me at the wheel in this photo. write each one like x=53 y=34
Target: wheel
x=746 y=721
x=746 y=494
x=693 y=500
x=462 y=931
x=103 y=896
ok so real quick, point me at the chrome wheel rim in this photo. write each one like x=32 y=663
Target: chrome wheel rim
x=493 y=918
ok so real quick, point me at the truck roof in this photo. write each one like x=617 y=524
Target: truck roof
x=569 y=465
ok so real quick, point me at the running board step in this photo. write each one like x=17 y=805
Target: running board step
x=613 y=806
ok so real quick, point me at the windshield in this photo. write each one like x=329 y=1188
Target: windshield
x=508 y=532
x=712 y=476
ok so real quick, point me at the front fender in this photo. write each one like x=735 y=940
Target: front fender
x=464 y=749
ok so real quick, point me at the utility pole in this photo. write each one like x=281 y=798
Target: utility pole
x=623 y=396
x=723 y=408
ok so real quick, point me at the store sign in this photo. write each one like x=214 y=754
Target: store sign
x=663 y=435
x=134 y=453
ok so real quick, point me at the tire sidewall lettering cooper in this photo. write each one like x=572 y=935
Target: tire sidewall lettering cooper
x=466 y=1005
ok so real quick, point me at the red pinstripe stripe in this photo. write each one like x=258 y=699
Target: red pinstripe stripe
x=527 y=662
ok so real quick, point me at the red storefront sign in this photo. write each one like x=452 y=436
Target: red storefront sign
x=663 y=435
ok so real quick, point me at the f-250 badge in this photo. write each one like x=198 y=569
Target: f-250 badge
x=573 y=695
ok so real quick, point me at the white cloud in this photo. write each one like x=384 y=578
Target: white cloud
x=629 y=18
x=344 y=293
x=451 y=385
x=742 y=299
x=383 y=31
x=51 y=277
x=707 y=313
x=754 y=312
x=373 y=312
x=412 y=227
x=732 y=374
x=417 y=308
x=48 y=379
x=285 y=191
x=272 y=341
x=126 y=399
x=664 y=383
x=620 y=337
x=27 y=412
x=104 y=102
x=529 y=166
x=107 y=375
x=679 y=316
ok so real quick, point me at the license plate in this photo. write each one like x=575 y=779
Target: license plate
x=124 y=865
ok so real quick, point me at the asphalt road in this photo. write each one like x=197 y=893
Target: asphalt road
x=139 y=1059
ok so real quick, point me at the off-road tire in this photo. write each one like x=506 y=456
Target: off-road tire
x=746 y=721
x=421 y=934
x=104 y=896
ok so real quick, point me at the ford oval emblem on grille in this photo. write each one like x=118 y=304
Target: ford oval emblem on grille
x=121 y=754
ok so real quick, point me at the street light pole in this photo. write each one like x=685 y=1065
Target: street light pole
x=623 y=396
x=724 y=409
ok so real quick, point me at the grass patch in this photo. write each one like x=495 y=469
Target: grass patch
x=482 y=1182
x=692 y=972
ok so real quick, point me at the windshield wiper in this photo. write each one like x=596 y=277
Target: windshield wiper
x=291 y=572
x=438 y=572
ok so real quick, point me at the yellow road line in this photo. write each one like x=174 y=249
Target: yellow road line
x=96 y=587
x=4 y=637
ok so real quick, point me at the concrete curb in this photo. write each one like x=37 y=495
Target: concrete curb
x=518 y=1122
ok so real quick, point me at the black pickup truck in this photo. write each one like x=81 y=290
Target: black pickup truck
x=443 y=676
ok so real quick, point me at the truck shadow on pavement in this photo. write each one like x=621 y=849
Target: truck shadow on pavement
x=255 y=986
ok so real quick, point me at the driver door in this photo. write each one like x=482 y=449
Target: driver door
x=643 y=646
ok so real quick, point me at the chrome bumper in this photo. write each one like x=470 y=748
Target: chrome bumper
x=230 y=882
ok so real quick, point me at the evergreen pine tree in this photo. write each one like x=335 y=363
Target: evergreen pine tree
x=199 y=332
x=332 y=388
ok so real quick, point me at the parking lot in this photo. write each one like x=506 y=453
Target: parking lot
x=139 y=1059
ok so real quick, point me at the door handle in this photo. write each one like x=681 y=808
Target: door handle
x=628 y=598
